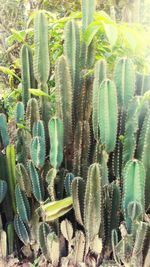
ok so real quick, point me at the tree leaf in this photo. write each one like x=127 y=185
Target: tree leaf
x=91 y=31
x=38 y=92
x=111 y=33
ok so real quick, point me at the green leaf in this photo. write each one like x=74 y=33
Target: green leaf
x=91 y=31
x=111 y=33
x=39 y=92
x=55 y=209
x=7 y=71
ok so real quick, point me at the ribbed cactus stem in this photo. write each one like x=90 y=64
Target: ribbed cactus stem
x=72 y=51
x=124 y=76
x=26 y=72
x=55 y=127
x=64 y=96
x=99 y=76
x=134 y=186
x=37 y=185
x=22 y=203
x=11 y=161
x=78 y=191
x=41 y=57
x=108 y=114
x=20 y=113
x=32 y=113
x=131 y=126
x=38 y=151
x=93 y=202
x=4 y=130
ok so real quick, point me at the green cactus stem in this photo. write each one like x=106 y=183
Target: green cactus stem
x=108 y=115
x=55 y=127
x=93 y=202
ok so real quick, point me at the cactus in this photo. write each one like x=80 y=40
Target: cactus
x=108 y=115
x=38 y=151
x=67 y=230
x=93 y=202
x=68 y=183
x=78 y=192
x=77 y=149
x=22 y=203
x=22 y=146
x=20 y=112
x=131 y=126
x=3 y=130
x=43 y=231
x=124 y=77
x=10 y=237
x=10 y=155
x=72 y=51
x=142 y=154
x=134 y=186
x=3 y=244
x=26 y=73
x=3 y=190
x=87 y=53
x=64 y=96
x=111 y=221
x=32 y=113
x=41 y=57
x=56 y=137
x=23 y=179
x=99 y=76
x=37 y=185
x=140 y=237
x=38 y=129
x=50 y=178
x=21 y=230
x=53 y=248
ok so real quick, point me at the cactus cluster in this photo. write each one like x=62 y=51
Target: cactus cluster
x=72 y=180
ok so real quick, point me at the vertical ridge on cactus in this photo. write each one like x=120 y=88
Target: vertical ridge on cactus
x=108 y=115
x=41 y=57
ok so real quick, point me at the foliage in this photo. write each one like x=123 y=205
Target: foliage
x=77 y=174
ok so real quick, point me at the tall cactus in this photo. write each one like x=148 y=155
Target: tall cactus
x=3 y=130
x=108 y=115
x=10 y=155
x=56 y=137
x=134 y=186
x=64 y=96
x=93 y=202
x=124 y=77
x=41 y=60
x=87 y=53
x=99 y=76
x=143 y=154
x=26 y=73
x=72 y=51
x=41 y=56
